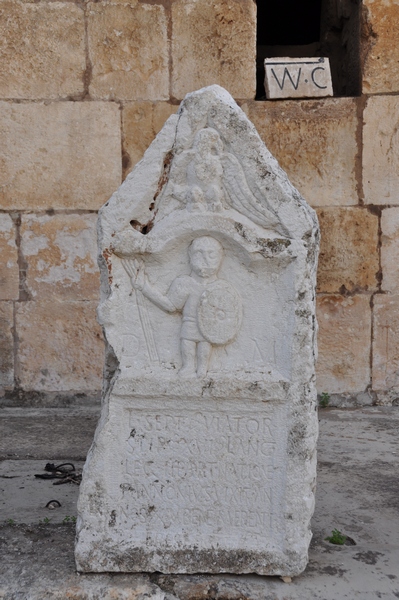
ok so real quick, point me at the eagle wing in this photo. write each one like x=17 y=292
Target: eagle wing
x=240 y=197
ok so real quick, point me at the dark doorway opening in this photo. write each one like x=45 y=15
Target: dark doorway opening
x=309 y=28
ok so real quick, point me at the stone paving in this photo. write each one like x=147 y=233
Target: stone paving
x=358 y=494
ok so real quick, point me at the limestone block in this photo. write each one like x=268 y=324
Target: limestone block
x=61 y=254
x=390 y=249
x=9 y=269
x=344 y=340
x=42 y=49
x=6 y=346
x=386 y=343
x=380 y=29
x=128 y=50
x=205 y=457
x=61 y=346
x=214 y=42
x=59 y=155
x=348 y=250
x=141 y=122
x=315 y=142
x=381 y=150
x=297 y=77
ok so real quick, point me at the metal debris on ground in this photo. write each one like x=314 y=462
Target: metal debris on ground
x=52 y=504
x=64 y=473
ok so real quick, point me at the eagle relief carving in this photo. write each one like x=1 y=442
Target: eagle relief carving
x=207 y=178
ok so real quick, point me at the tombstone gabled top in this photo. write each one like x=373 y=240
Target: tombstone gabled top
x=254 y=185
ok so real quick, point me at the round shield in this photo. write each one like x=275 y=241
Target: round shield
x=219 y=313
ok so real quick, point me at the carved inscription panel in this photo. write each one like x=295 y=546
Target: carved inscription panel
x=220 y=472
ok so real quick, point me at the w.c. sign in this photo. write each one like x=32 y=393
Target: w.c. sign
x=297 y=77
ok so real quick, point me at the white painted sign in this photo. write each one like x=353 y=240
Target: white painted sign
x=297 y=77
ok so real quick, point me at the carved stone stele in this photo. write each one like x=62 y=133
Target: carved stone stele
x=204 y=457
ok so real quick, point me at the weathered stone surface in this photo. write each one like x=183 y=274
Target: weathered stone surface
x=60 y=346
x=205 y=457
x=141 y=123
x=386 y=344
x=9 y=269
x=59 y=155
x=381 y=25
x=6 y=346
x=297 y=78
x=390 y=249
x=344 y=339
x=61 y=254
x=42 y=49
x=315 y=142
x=214 y=42
x=128 y=50
x=348 y=250
x=381 y=150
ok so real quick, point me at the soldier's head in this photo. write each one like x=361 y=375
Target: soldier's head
x=205 y=255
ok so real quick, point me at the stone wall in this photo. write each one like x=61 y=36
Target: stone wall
x=84 y=88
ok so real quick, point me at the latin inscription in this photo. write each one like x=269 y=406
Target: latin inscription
x=216 y=471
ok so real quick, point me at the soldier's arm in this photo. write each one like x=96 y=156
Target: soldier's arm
x=139 y=281
x=159 y=299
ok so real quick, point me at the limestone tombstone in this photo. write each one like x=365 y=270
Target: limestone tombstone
x=204 y=458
